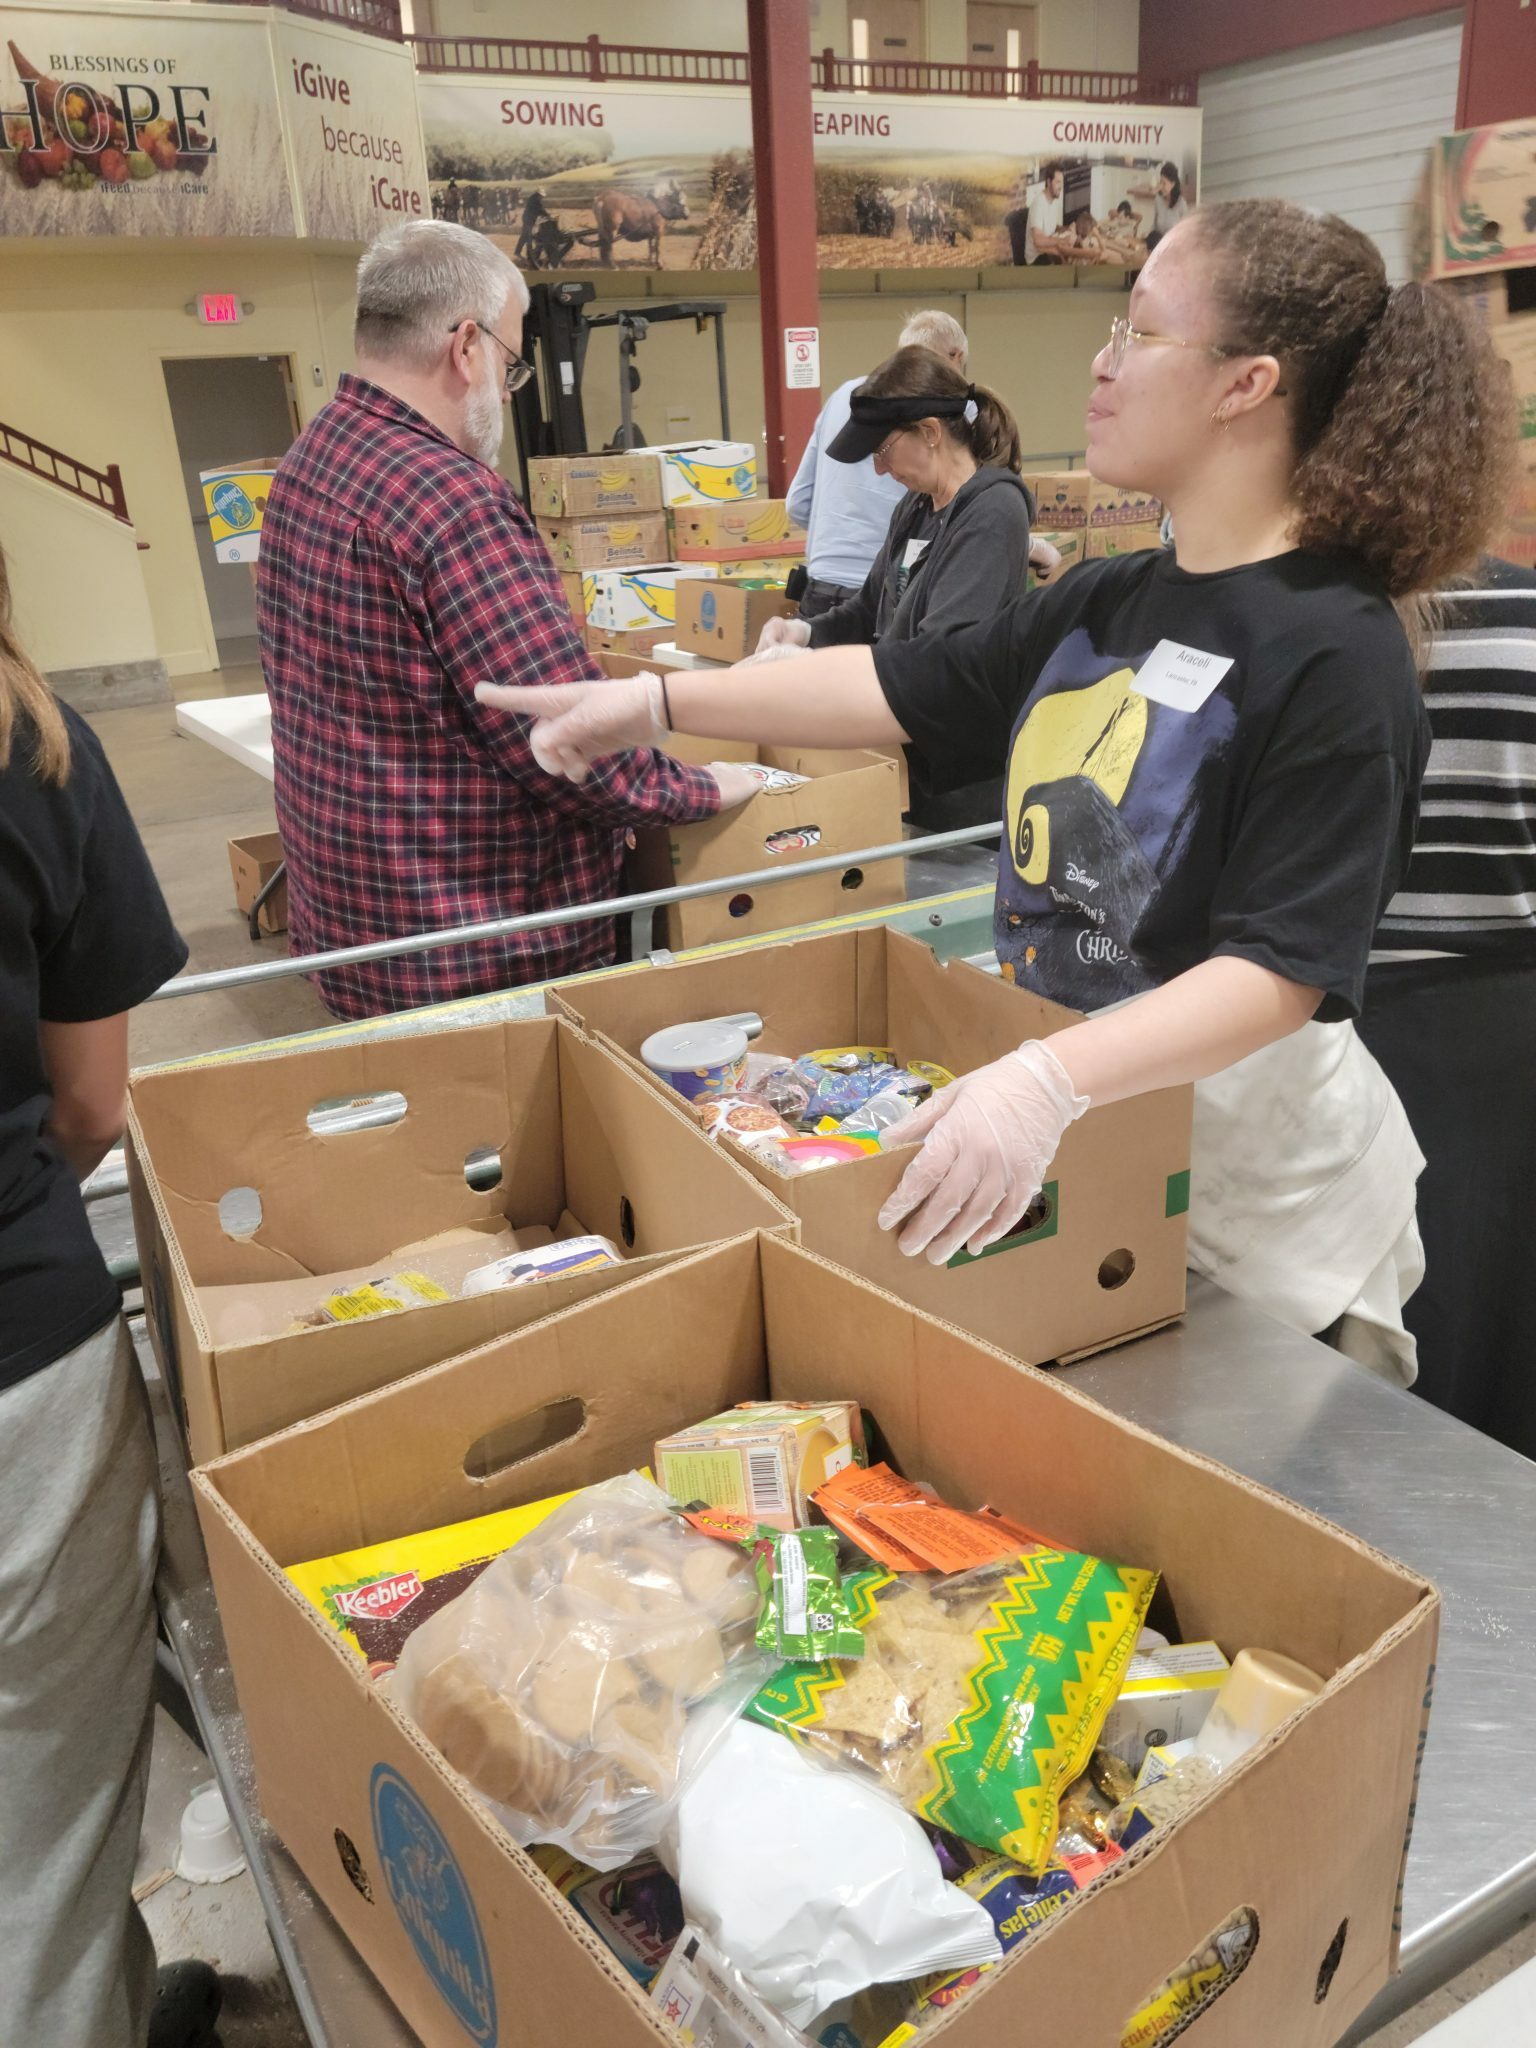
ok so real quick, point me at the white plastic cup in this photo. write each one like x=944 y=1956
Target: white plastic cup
x=210 y=1848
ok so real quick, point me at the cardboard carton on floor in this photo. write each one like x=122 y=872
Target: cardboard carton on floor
x=852 y=801
x=314 y=1163
x=576 y=486
x=1105 y=542
x=253 y=861
x=466 y=1934
x=723 y=620
x=750 y=522
x=705 y=472
x=1103 y=1259
x=622 y=540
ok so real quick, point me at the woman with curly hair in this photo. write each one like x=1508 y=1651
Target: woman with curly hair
x=1212 y=758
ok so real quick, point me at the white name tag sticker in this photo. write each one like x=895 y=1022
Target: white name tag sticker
x=913 y=553
x=1180 y=677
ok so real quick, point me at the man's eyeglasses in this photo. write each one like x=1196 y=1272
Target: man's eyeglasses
x=1122 y=334
x=517 y=371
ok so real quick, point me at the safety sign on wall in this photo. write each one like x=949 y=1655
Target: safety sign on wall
x=802 y=358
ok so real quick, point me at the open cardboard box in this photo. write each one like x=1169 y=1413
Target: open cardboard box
x=432 y=1119
x=469 y=1938
x=1107 y=1259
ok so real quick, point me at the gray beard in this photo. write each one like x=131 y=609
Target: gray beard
x=485 y=422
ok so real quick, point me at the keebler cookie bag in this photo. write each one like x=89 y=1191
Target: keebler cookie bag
x=979 y=1697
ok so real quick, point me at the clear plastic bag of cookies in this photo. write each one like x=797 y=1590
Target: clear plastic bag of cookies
x=563 y=1683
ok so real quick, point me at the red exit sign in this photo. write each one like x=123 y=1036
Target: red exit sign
x=218 y=309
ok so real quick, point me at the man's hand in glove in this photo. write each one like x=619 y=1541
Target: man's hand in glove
x=988 y=1142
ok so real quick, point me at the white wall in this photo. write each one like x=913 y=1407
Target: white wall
x=58 y=549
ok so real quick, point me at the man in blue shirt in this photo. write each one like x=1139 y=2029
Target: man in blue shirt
x=845 y=507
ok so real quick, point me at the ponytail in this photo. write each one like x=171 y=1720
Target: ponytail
x=26 y=699
x=1401 y=409
x=993 y=436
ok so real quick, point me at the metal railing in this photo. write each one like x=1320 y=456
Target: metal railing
x=374 y=17
x=596 y=62
x=571 y=913
x=100 y=487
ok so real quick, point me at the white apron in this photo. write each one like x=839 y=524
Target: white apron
x=1302 y=1193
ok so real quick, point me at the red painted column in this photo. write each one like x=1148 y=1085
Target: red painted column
x=779 y=52
x=1498 y=63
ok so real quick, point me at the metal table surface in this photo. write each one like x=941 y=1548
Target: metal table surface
x=1278 y=1407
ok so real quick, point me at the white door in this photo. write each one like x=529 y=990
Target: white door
x=1342 y=126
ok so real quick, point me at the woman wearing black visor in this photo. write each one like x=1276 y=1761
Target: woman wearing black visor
x=958 y=544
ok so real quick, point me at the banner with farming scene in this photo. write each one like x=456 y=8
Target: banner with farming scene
x=144 y=120
x=652 y=178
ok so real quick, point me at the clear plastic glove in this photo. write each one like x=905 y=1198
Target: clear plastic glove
x=736 y=783
x=988 y=1141
x=576 y=724
x=783 y=650
x=784 y=633
x=1044 y=559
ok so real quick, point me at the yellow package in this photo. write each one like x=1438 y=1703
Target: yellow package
x=374 y=1597
x=374 y=1298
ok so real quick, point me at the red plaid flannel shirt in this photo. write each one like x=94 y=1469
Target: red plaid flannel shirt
x=397 y=572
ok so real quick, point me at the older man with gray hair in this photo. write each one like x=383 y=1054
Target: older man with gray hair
x=398 y=569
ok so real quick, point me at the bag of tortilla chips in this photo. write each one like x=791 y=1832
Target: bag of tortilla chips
x=979 y=1697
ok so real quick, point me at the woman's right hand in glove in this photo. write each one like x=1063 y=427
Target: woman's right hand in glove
x=784 y=633
x=576 y=724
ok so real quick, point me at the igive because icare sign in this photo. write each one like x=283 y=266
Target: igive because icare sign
x=200 y=120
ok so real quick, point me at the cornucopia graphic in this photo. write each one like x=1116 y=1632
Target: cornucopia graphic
x=90 y=143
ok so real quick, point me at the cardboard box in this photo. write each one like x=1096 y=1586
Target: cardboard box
x=570 y=584
x=1105 y=542
x=705 y=472
x=1515 y=341
x=637 y=600
x=623 y=541
x=852 y=801
x=1106 y=1259
x=1481 y=192
x=574 y=486
x=603 y=642
x=1070 y=498
x=745 y=565
x=1070 y=546
x=751 y=522
x=573 y=1133
x=473 y=1943
x=723 y=621
x=253 y=861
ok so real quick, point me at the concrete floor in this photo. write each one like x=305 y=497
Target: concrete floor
x=189 y=801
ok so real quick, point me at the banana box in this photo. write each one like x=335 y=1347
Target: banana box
x=706 y=472
x=1104 y=542
x=637 y=600
x=575 y=486
x=1070 y=546
x=235 y=501
x=628 y=540
x=570 y=584
x=751 y=521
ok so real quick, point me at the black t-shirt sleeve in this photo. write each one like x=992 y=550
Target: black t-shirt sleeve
x=1326 y=826
x=956 y=693
x=117 y=944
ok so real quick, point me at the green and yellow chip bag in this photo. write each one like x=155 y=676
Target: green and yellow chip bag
x=979 y=1697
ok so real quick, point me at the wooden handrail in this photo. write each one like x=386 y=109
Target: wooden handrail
x=595 y=62
x=102 y=488
x=373 y=17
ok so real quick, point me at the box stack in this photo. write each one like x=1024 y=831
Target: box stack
x=1104 y=518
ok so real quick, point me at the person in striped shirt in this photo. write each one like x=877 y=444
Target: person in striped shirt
x=1450 y=1009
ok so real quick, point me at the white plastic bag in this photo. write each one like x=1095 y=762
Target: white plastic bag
x=812 y=1879
x=563 y=1682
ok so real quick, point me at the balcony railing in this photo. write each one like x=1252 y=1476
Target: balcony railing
x=596 y=62
x=374 y=17
x=100 y=487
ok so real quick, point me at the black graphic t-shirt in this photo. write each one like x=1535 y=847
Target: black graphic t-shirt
x=1194 y=765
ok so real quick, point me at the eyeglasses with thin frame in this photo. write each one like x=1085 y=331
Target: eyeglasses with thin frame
x=517 y=371
x=883 y=451
x=1122 y=334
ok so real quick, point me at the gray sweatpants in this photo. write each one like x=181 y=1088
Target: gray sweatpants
x=79 y=1532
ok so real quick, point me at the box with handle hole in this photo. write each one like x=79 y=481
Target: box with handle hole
x=1263 y=1915
x=1100 y=1255
x=264 y=1189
